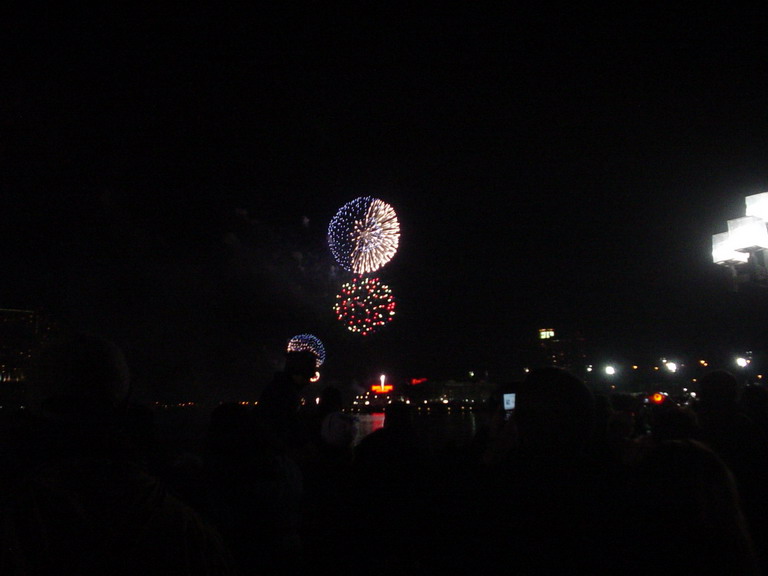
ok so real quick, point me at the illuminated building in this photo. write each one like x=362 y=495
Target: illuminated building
x=21 y=333
x=555 y=350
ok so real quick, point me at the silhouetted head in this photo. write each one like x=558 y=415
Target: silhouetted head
x=755 y=397
x=330 y=399
x=685 y=499
x=555 y=412
x=397 y=415
x=673 y=422
x=79 y=376
x=717 y=389
x=339 y=430
x=301 y=365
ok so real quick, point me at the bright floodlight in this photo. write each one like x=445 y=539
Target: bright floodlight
x=610 y=370
x=723 y=252
x=742 y=362
x=671 y=366
x=757 y=205
x=747 y=233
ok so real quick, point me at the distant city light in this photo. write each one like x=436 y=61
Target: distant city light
x=742 y=362
x=610 y=370
x=546 y=333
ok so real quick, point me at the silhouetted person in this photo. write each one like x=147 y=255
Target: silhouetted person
x=388 y=472
x=253 y=492
x=329 y=401
x=279 y=404
x=733 y=436
x=75 y=498
x=494 y=440
x=673 y=422
x=328 y=525
x=754 y=403
x=681 y=514
x=536 y=512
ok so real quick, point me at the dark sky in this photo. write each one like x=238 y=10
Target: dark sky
x=168 y=175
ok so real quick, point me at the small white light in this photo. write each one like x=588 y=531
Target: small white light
x=671 y=366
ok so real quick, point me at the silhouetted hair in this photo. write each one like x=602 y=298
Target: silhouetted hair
x=554 y=408
x=687 y=502
x=397 y=414
x=301 y=363
x=718 y=387
x=78 y=374
x=755 y=396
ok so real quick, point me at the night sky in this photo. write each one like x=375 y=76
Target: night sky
x=169 y=173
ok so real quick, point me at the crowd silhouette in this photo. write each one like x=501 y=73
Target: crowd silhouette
x=575 y=482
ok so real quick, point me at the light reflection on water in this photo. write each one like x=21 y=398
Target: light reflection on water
x=367 y=423
x=434 y=431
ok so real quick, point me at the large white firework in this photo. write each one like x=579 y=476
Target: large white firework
x=364 y=235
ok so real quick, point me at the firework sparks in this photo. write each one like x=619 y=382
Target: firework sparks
x=302 y=342
x=364 y=235
x=364 y=305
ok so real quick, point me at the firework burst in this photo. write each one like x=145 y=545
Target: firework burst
x=302 y=342
x=364 y=305
x=364 y=235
